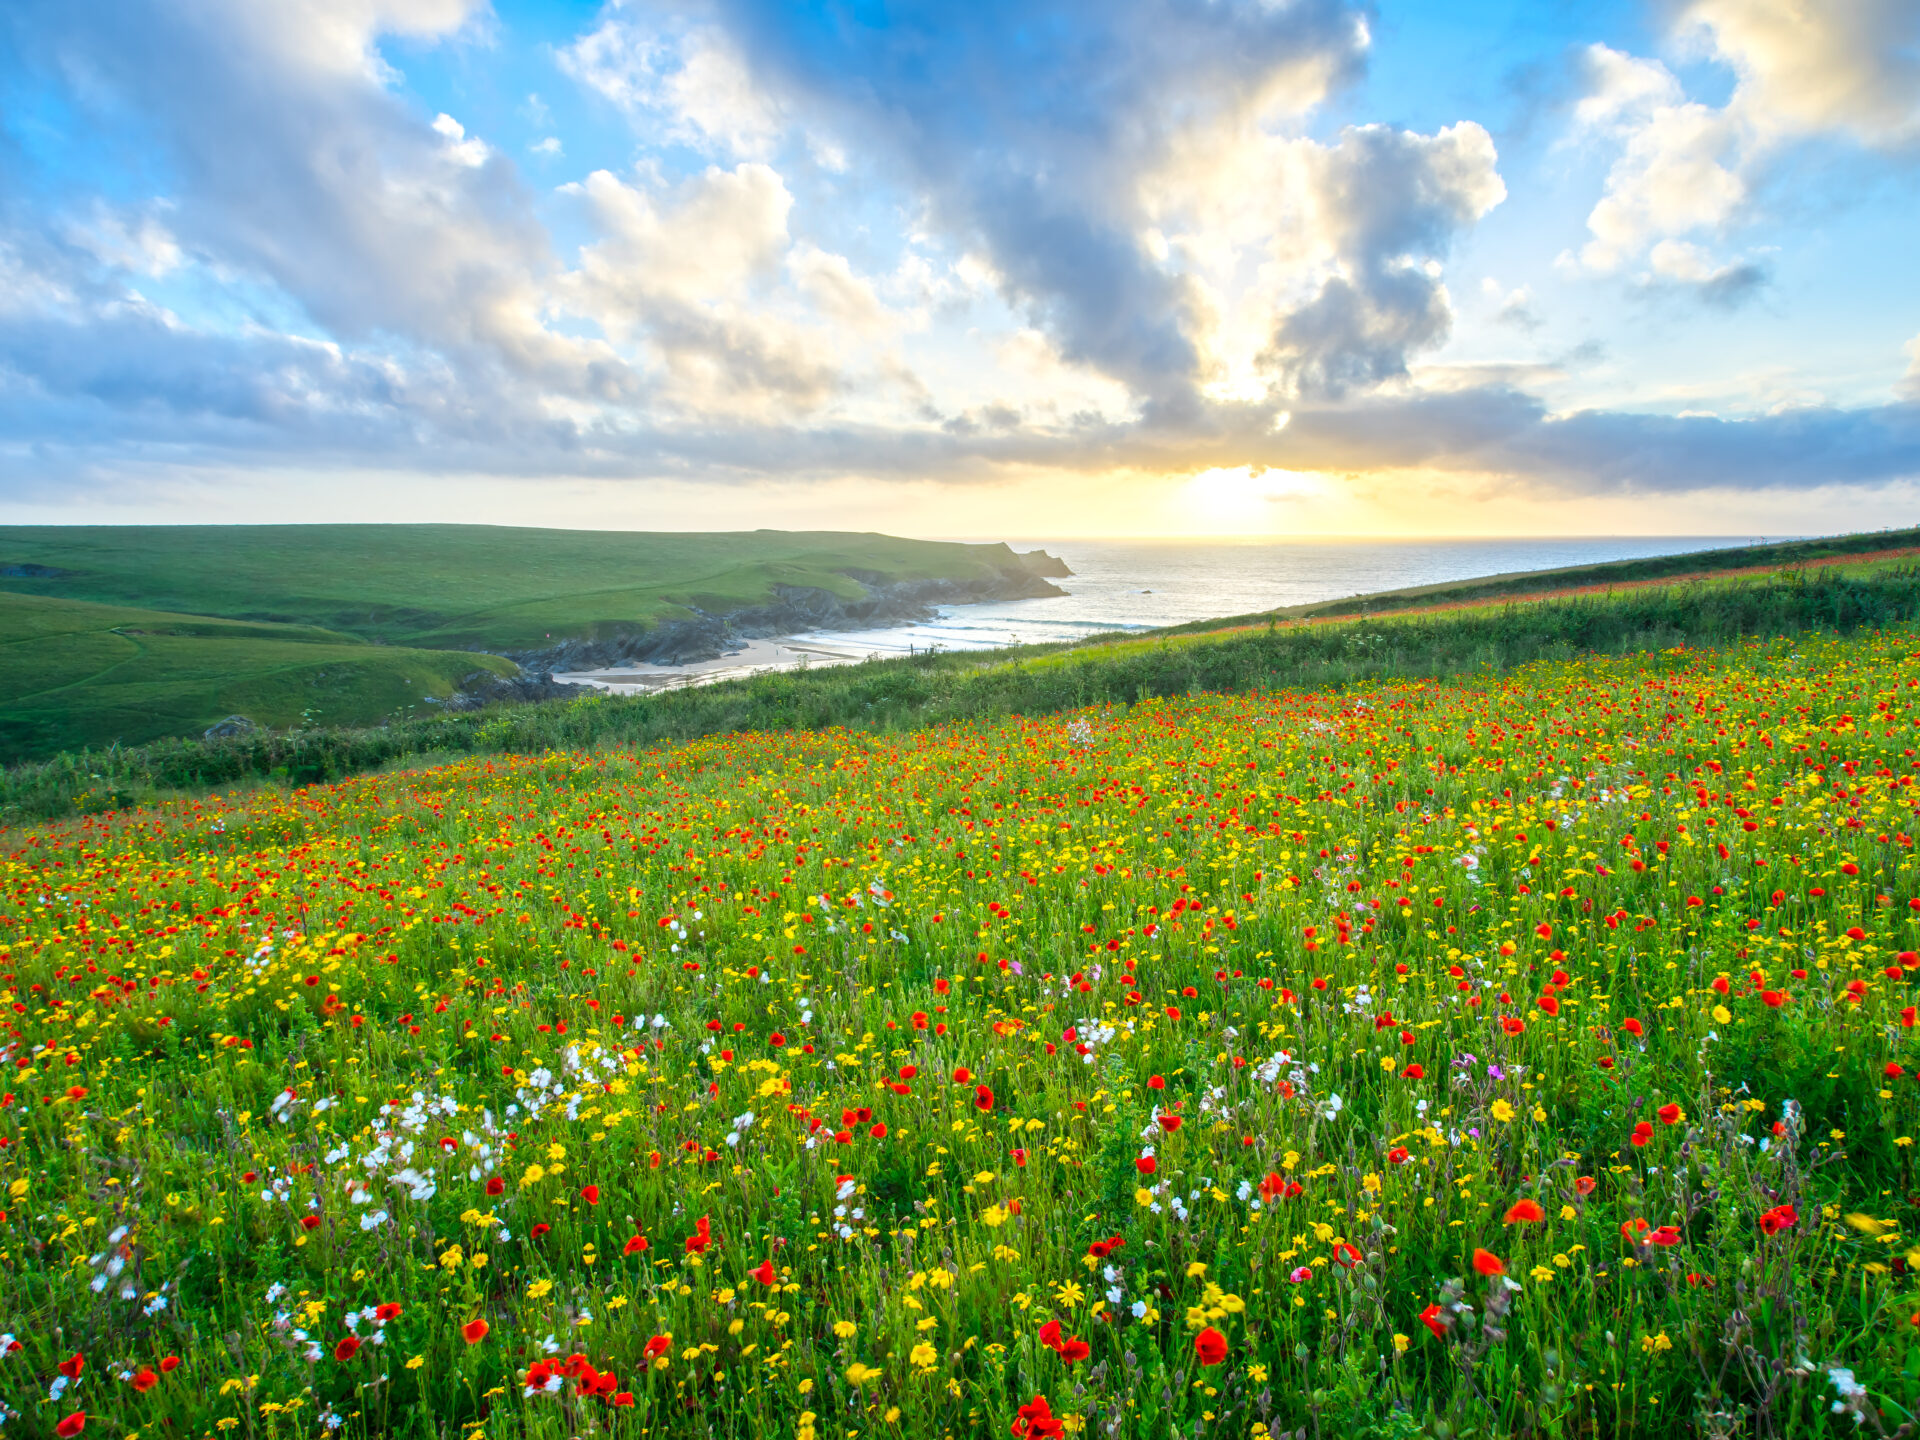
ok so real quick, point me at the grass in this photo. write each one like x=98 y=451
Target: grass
x=1736 y=561
x=79 y=676
x=465 y=586
x=1527 y=1052
x=949 y=688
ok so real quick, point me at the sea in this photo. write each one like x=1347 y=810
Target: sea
x=1125 y=585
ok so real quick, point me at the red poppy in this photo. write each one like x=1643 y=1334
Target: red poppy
x=1488 y=1263
x=1169 y=1123
x=1415 y=1071
x=384 y=1313
x=657 y=1346
x=1669 y=1114
x=982 y=1098
x=1642 y=1133
x=309 y=1222
x=765 y=1273
x=72 y=1425
x=145 y=1380
x=1525 y=1212
x=1035 y=1421
x=962 y=1075
x=172 y=1363
x=1075 y=1350
x=591 y=1194
x=1210 y=1346
x=495 y=1185
x=72 y=1366
x=474 y=1331
x=1155 y=1082
x=1665 y=1236
x=1632 y=1026
x=1432 y=1318
x=1549 y=1004
x=1049 y=1335
x=1346 y=1255
x=636 y=1245
x=1586 y=1184
x=540 y=1229
x=347 y=1348
x=1146 y=1164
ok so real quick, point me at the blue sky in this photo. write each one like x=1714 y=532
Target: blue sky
x=1142 y=267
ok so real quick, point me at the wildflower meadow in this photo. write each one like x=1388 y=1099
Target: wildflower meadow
x=1516 y=1054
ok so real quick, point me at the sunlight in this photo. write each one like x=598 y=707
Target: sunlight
x=1240 y=494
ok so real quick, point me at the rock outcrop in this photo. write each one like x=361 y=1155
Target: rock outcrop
x=480 y=688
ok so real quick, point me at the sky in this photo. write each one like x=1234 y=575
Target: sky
x=1122 y=268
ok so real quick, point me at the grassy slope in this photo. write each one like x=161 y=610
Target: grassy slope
x=1697 y=564
x=462 y=585
x=75 y=674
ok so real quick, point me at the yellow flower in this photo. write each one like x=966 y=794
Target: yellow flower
x=845 y=1329
x=858 y=1374
x=1722 y=1015
x=1143 y=1196
x=1655 y=1344
x=1502 y=1111
x=924 y=1355
x=1400 y=1343
x=993 y=1217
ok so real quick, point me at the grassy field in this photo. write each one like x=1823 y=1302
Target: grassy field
x=939 y=689
x=75 y=675
x=1525 y=1053
x=462 y=586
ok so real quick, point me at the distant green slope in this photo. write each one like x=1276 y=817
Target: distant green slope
x=1519 y=584
x=475 y=586
x=75 y=674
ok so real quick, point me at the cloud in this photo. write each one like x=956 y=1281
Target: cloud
x=689 y=277
x=1028 y=130
x=1677 y=170
x=295 y=165
x=1722 y=286
x=689 y=76
x=1389 y=204
x=1849 y=67
x=1842 y=68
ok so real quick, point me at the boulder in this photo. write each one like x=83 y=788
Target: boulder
x=229 y=728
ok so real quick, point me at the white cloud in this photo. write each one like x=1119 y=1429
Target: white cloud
x=129 y=240
x=1841 y=67
x=1806 y=66
x=690 y=277
x=692 y=76
x=1672 y=175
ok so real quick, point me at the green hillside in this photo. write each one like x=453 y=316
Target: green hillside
x=477 y=586
x=74 y=674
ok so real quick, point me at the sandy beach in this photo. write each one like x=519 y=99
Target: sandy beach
x=756 y=657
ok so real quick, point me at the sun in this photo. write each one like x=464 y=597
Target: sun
x=1239 y=495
